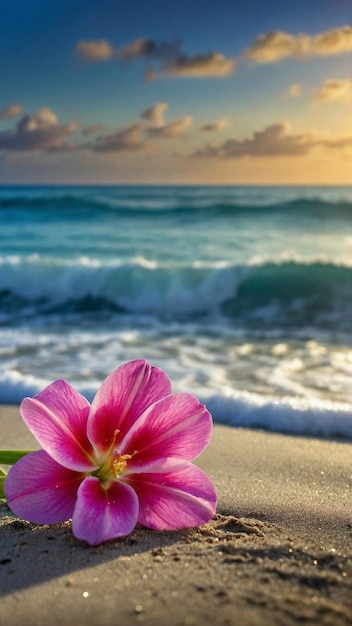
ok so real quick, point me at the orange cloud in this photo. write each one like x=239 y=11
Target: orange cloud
x=273 y=141
x=294 y=91
x=126 y=139
x=40 y=131
x=213 y=65
x=167 y=57
x=271 y=47
x=145 y=48
x=171 y=130
x=276 y=140
x=155 y=114
x=216 y=126
x=12 y=110
x=334 y=89
x=137 y=136
x=158 y=128
x=95 y=50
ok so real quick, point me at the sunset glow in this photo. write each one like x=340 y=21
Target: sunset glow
x=184 y=93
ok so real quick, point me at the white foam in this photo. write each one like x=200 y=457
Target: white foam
x=15 y=386
x=299 y=416
x=288 y=415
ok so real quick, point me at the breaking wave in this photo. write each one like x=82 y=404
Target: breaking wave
x=288 y=292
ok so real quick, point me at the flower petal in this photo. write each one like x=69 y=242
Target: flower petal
x=103 y=514
x=122 y=398
x=155 y=466
x=180 y=499
x=40 y=490
x=175 y=426
x=57 y=417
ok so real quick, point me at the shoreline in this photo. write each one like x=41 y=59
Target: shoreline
x=278 y=551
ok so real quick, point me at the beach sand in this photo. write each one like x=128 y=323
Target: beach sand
x=278 y=551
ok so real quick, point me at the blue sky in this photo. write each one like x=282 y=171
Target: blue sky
x=175 y=92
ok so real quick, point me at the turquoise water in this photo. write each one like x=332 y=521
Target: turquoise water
x=243 y=295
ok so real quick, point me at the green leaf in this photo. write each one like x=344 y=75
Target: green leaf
x=9 y=457
x=2 y=493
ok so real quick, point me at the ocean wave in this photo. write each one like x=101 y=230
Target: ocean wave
x=245 y=410
x=289 y=292
x=138 y=286
x=134 y=203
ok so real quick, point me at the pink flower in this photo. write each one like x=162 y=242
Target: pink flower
x=126 y=458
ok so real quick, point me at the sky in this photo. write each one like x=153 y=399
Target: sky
x=175 y=92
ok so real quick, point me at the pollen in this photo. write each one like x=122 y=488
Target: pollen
x=119 y=463
x=113 y=465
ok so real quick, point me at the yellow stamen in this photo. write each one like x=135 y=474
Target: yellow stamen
x=119 y=463
x=114 y=463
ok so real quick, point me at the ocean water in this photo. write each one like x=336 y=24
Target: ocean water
x=242 y=294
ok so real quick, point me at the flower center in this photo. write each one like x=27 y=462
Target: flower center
x=113 y=467
x=119 y=462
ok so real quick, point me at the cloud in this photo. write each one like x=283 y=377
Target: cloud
x=126 y=139
x=40 y=131
x=341 y=143
x=148 y=48
x=166 y=57
x=213 y=65
x=273 y=141
x=294 y=91
x=171 y=130
x=13 y=110
x=101 y=50
x=158 y=128
x=43 y=132
x=216 y=126
x=136 y=137
x=95 y=50
x=334 y=89
x=276 y=45
x=42 y=118
x=155 y=114
x=138 y=48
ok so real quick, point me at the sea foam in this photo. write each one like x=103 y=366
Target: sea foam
x=290 y=416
